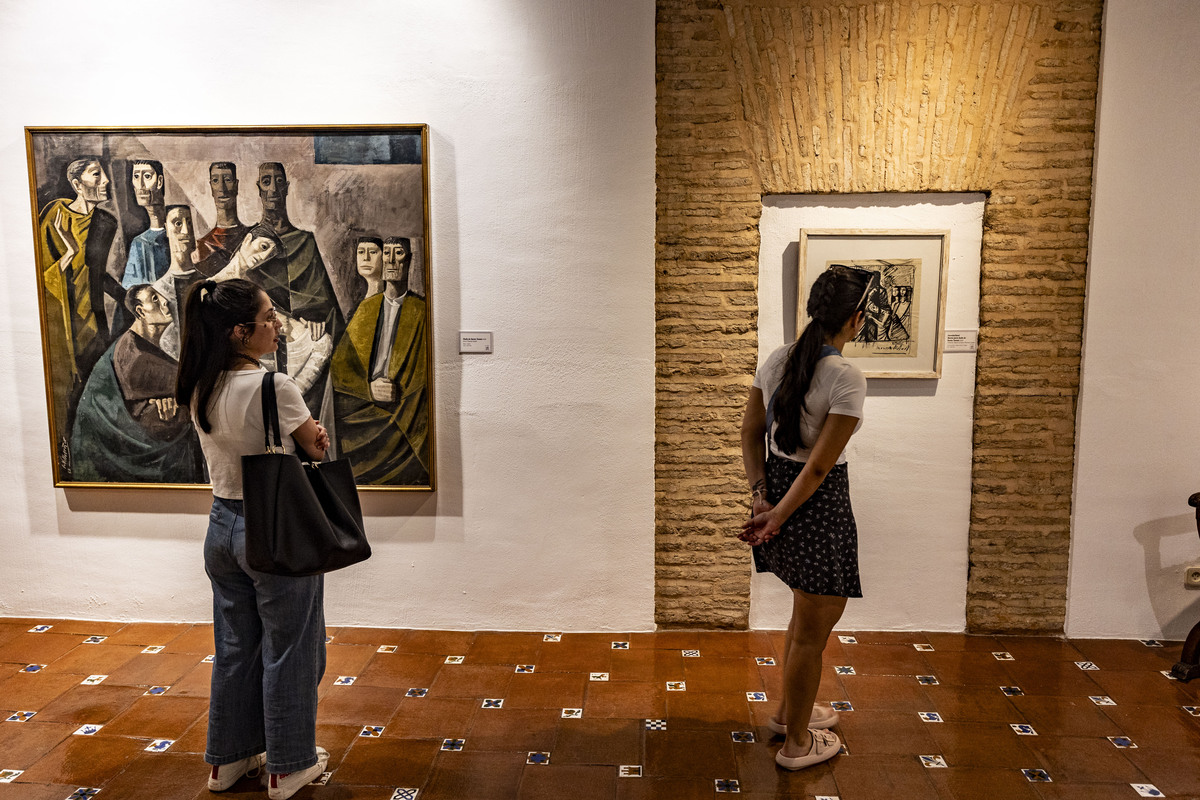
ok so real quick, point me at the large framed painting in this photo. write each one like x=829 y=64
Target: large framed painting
x=332 y=222
x=906 y=301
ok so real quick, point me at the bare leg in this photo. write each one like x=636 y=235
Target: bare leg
x=781 y=714
x=813 y=618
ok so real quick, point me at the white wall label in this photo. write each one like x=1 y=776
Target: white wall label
x=964 y=341
x=474 y=341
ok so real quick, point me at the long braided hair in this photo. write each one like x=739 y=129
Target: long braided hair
x=835 y=296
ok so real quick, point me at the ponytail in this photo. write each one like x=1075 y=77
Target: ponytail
x=835 y=297
x=210 y=313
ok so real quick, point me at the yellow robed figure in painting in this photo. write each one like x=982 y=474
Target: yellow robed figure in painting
x=380 y=381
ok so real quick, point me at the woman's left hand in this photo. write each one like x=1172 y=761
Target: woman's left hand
x=761 y=527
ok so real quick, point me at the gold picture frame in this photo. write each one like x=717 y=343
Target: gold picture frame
x=121 y=209
x=906 y=307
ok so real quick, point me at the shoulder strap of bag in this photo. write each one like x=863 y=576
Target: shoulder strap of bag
x=270 y=415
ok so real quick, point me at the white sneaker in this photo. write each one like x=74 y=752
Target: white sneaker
x=226 y=775
x=281 y=787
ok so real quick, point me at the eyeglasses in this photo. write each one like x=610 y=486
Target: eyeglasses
x=872 y=282
x=271 y=319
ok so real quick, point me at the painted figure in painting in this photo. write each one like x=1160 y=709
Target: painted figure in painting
x=128 y=427
x=303 y=289
x=149 y=255
x=380 y=383
x=369 y=263
x=74 y=238
x=215 y=248
x=181 y=274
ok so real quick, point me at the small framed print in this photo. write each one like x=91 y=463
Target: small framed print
x=905 y=303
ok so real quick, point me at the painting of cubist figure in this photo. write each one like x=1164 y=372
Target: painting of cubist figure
x=332 y=223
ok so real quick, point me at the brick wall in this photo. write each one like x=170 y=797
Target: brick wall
x=758 y=97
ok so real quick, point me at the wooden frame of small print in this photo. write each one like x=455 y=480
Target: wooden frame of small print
x=906 y=310
x=332 y=222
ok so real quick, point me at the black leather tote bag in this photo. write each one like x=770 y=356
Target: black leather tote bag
x=302 y=518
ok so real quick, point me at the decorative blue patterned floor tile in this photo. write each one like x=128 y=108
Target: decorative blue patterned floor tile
x=1151 y=642
x=1003 y=656
x=453 y=745
x=933 y=762
x=92 y=680
x=1147 y=790
x=572 y=713
x=927 y=680
x=155 y=691
x=1037 y=776
x=154 y=648
x=656 y=724
x=405 y=794
x=387 y=648
x=525 y=669
x=40 y=628
x=756 y=697
x=372 y=731
x=765 y=661
x=9 y=775
x=1021 y=729
x=629 y=771
x=847 y=640
x=1166 y=673
x=159 y=745
x=345 y=680
x=455 y=659
x=924 y=648
x=844 y=670
x=841 y=705
x=1193 y=710
x=538 y=759
x=493 y=702
x=691 y=653
x=598 y=676
x=416 y=693
x=209 y=659
x=552 y=637
x=676 y=686
x=742 y=737
x=94 y=639
x=33 y=668
x=727 y=786
x=88 y=730
x=620 y=645
x=21 y=716
x=1012 y=691
x=83 y=793
x=1102 y=700
x=1086 y=665
x=930 y=716
x=1123 y=742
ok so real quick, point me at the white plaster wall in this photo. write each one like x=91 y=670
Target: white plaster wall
x=542 y=155
x=910 y=463
x=1138 y=454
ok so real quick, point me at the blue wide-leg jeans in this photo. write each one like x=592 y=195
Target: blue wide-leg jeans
x=270 y=653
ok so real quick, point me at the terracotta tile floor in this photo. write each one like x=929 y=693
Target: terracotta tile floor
x=119 y=710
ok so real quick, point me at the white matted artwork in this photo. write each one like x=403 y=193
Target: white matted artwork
x=905 y=303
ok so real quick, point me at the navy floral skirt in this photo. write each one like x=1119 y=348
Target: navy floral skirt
x=817 y=549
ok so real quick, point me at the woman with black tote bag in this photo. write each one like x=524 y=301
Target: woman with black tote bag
x=269 y=629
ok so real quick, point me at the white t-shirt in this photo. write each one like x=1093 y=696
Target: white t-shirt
x=235 y=414
x=838 y=387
